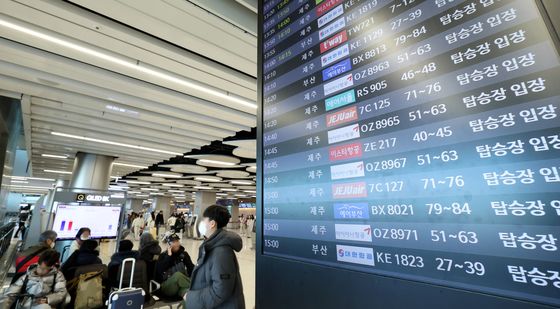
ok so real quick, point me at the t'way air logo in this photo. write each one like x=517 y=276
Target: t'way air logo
x=334 y=41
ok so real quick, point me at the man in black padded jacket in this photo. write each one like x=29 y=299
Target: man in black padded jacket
x=174 y=268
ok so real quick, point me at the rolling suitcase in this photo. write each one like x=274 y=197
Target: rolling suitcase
x=127 y=298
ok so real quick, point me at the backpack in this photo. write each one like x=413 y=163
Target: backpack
x=88 y=289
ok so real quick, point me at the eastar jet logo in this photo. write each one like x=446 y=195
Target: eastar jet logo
x=349 y=190
x=344 y=133
x=325 y=6
x=348 y=170
x=343 y=152
x=334 y=41
x=342 y=116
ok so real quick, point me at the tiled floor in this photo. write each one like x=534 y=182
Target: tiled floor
x=246 y=263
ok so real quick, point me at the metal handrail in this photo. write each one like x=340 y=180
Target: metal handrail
x=6 y=232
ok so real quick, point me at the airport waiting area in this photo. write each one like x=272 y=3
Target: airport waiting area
x=159 y=259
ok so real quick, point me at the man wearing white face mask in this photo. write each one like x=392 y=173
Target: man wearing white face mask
x=216 y=281
x=30 y=255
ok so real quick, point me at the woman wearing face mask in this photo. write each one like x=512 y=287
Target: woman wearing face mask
x=216 y=281
x=83 y=234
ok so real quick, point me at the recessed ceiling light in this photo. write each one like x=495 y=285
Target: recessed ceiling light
x=167 y=175
x=208 y=179
x=217 y=162
x=89 y=139
x=130 y=165
x=54 y=156
x=149 y=189
x=29 y=178
x=228 y=189
x=29 y=187
x=250 y=191
x=57 y=172
x=241 y=182
x=172 y=185
x=203 y=188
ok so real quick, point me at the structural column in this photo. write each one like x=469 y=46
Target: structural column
x=91 y=171
x=135 y=205
x=202 y=200
x=162 y=203
x=234 y=216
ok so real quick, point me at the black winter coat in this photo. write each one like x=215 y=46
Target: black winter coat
x=166 y=262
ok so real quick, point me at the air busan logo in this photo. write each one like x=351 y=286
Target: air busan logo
x=343 y=66
x=327 y=18
x=344 y=133
x=342 y=116
x=343 y=152
x=332 y=28
x=351 y=211
x=348 y=170
x=349 y=190
x=338 y=84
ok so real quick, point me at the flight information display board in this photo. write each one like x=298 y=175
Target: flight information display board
x=414 y=139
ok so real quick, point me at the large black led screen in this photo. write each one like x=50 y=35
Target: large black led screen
x=414 y=139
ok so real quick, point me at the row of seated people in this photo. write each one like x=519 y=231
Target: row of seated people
x=171 y=270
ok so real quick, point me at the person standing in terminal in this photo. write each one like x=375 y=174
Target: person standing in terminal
x=159 y=221
x=83 y=234
x=216 y=281
x=137 y=227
